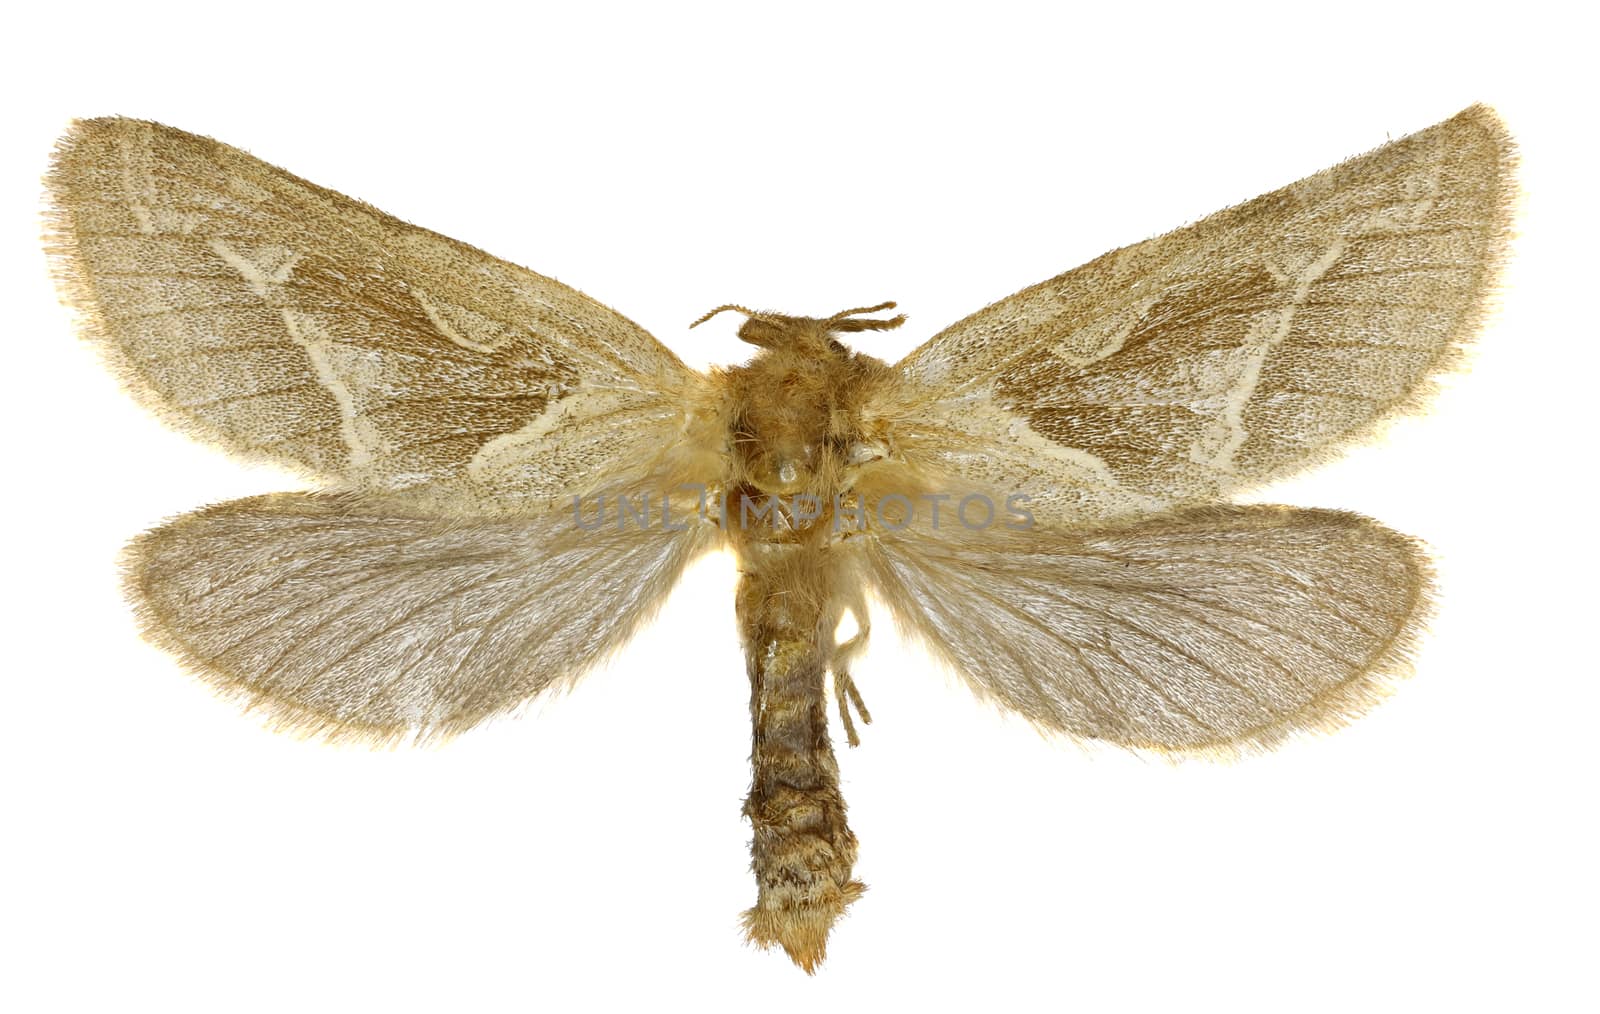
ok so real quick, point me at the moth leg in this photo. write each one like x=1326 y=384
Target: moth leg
x=843 y=685
x=844 y=688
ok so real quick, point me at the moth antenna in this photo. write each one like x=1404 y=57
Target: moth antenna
x=856 y=324
x=725 y=306
x=846 y=320
x=889 y=305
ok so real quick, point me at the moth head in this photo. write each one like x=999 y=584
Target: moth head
x=780 y=331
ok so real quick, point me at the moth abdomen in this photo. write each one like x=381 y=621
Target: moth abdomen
x=802 y=851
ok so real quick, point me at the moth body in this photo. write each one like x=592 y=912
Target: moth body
x=796 y=437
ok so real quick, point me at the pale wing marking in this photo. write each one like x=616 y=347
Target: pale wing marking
x=1233 y=412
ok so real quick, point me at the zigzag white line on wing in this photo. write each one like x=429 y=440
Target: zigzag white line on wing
x=317 y=350
x=1245 y=388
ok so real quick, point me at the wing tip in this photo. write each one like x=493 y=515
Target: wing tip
x=76 y=291
x=1504 y=201
x=59 y=234
x=73 y=281
x=1481 y=136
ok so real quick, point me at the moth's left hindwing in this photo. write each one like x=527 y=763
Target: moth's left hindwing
x=290 y=323
x=342 y=619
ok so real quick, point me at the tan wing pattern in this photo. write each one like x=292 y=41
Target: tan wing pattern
x=1207 y=630
x=287 y=322
x=1225 y=354
x=343 y=620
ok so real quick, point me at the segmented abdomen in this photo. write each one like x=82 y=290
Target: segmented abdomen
x=803 y=850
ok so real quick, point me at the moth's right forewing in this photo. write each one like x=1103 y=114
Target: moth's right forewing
x=343 y=619
x=285 y=322
x=1226 y=354
x=1208 y=630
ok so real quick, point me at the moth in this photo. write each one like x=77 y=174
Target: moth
x=512 y=475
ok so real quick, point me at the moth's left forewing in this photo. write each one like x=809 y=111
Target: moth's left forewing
x=285 y=322
x=1229 y=353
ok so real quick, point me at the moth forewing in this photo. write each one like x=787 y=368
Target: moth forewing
x=458 y=407
x=1241 y=349
x=288 y=323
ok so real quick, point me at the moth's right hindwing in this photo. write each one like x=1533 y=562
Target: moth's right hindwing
x=1208 y=631
x=289 y=323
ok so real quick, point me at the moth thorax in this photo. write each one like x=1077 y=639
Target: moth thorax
x=786 y=466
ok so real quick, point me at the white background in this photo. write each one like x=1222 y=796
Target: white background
x=163 y=852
